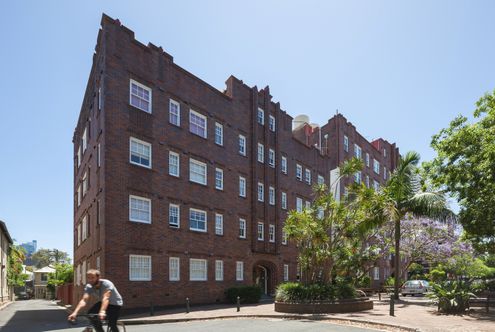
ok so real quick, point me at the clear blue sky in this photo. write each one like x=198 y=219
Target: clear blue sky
x=400 y=70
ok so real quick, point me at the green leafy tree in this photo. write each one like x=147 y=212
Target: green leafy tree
x=15 y=277
x=465 y=166
x=64 y=273
x=403 y=195
x=45 y=257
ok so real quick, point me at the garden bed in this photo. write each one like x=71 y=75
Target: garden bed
x=345 y=305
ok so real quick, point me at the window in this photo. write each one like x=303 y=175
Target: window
x=286 y=272
x=284 y=200
x=271 y=123
x=321 y=179
x=140 y=96
x=174 y=268
x=242 y=186
x=98 y=263
x=376 y=166
x=83 y=273
x=218 y=133
x=140 y=153
x=376 y=185
x=173 y=164
x=79 y=155
x=271 y=196
x=218 y=179
x=307 y=204
x=261 y=192
x=367 y=181
x=198 y=269
x=197 y=171
x=98 y=212
x=79 y=195
x=346 y=143
x=242 y=228
x=98 y=155
x=299 y=204
x=261 y=116
x=367 y=159
x=284 y=165
x=261 y=153
x=239 y=271
x=384 y=153
x=271 y=158
x=139 y=268
x=357 y=177
x=174 y=113
x=376 y=273
x=100 y=99
x=261 y=231
x=197 y=220
x=321 y=213
x=242 y=145
x=174 y=215
x=85 y=184
x=197 y=123
x=79 y=234
x=218 y=224
x=139 y=209
x=307 y=176
x=218 y=270
x=384 y=172
x=284 y=237
x=84 y=226
x=85 y=139
x=357 y=151
x=299 y=172
x=271 y=233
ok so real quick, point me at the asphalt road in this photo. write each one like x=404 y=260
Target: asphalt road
x=40 y=315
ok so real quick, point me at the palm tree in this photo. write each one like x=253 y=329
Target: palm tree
x=403 y=195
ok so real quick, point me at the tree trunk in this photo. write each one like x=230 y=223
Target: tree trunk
x=397 y=260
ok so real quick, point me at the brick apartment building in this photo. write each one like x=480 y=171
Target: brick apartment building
x=181 y=190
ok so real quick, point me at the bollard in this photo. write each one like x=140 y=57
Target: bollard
x=391 y=305
x=152 y=309
x=238 y=304
x=187 y=305
x=379 y=296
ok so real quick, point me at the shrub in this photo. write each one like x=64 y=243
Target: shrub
x=296 y=292
x=437 y=275
x=451 y=296
x=247 y=294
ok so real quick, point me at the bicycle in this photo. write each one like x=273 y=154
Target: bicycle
x=104 y=322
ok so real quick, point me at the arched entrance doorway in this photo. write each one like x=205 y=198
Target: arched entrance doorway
x=263 y=276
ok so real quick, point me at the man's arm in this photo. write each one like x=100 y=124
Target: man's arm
x=82 y=303
x=104 y=304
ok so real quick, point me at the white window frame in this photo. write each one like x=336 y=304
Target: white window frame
x=376 y=185
x=84 y=140
x=149 y=110
x=242 y=186
x=218 y=178
x=242 y=145
x=204 y=276
x=261 y=231
x=218 y=224
x=193 y=175
x=271 y=233
x=140 y=198
x=286 y=272
x=284 y=200
x=218 y=134
x=367 y=181
x=376 y=166
x=84 y=227
x=367 y=159
x=261 y=192
x=357 y=151
x=376 y=273
x=218 y=270
x=98 y=155
x=321 y=179
x=199 y=115
x=85 y=184
x=260 y=116
x=79 y=234
x=174 y=269
x=137 y=278
x=284 y=165
x=271 y=195
x=172 y=155
x=239 y=271
x=357 y=177
x=346 y=143
x=384 y=153
x=79 y=195
x=171 y=114
x=170 y=207
x=206 y=220
x=261 y=153
x=299 y=204
x=284 y=237
x=79 y=155
x=242 y=228
x=100 y=98
x=271 y=123
x=384 y=172
x=307 y=176
x=271 y=158
x=141 y=156
x=299 y=170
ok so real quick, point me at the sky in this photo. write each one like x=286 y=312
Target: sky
x=400 y=70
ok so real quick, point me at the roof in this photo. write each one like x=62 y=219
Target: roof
x=46 y=269
x=3 y=227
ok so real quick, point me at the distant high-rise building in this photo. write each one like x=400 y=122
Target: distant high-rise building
x=30 y=247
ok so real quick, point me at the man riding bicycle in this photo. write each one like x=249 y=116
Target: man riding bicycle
x=108 y=305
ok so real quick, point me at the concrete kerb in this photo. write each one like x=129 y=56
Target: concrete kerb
x=342 y=321
x=6 y=304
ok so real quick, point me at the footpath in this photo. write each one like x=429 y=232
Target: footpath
x=411 y=314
